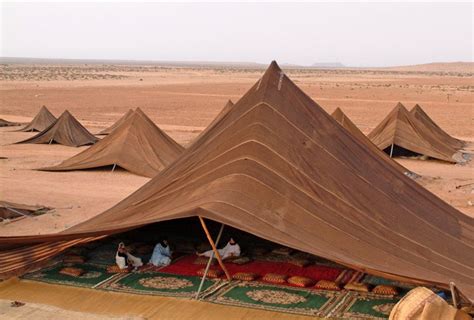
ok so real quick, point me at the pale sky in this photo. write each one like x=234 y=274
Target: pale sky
x=355 y=34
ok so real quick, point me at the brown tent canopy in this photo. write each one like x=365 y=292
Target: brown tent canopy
x=6 y=123
x=41 y=121
x=219 y=116
x=11 y=210
x=117 y=124
x=65 y=130
x=137 y=145
x=278 y=166
x=343 y=120
x=442 y=135
x=401 y=133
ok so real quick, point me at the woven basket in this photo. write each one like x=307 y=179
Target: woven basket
x=245 y=276
x=300 y=281
x=275 y=278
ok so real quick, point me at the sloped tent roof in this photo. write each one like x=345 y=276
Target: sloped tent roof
x=219 y=116
x=350 y=126
x=6 y=123
x=65 y=130
x=442 y=135
x=137 y=145
x=278 y=166
x=401 y=129
x=41 y=121
x=117 y=123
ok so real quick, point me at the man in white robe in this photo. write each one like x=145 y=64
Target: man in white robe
x=124 y=259
x=231 y=249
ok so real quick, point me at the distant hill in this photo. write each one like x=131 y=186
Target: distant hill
x=460 y=67
x=328 y=65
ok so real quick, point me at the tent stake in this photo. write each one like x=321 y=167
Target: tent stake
x=391 y=150
x=113 y=168
x=209 y=263
x=218 y=256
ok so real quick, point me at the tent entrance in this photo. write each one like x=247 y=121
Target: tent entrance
x=397 y=151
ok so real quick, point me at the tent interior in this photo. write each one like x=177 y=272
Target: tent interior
x=402 y=152
x=260 y=276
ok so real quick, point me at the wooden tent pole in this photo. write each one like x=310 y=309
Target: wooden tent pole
x=218 y=256
x=391 y=150
x=113 y=168
x=209 y=263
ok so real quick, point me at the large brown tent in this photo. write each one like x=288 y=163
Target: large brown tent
x=350 y=126
x=117 y=124
x=278 y=166
x=442 y=135
x=137 y=145
x=402 y=134
x=65 y=130
x=41 y=121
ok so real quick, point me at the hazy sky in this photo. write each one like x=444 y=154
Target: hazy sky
x=355 y=34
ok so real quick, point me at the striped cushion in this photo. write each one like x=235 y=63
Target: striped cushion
x=385 y=290
x=246 y=276
x=275 y=278
x=327 y=285
x=357 y=286
x=211 y=273
x=300 y=281
x=70 y=271
x=115 y=269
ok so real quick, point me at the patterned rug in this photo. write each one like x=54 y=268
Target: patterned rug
x=93 y=276
x=321 y=303
x=152 y=283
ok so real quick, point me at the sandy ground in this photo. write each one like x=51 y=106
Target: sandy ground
x=183 y=101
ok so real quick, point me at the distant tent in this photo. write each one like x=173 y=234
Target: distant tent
x=5 y=123
x=117 y=123
x=343 y=120
x=65 y=130
x=442 y=135
x=278 y=166
x=137 y=145
x=224 y=110
x=41 y=121
x=401 y=134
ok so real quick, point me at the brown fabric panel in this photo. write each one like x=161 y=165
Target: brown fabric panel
x=278 y=166
x=6 y=123
x=136 y=145
x=404 y=130
x=41 y=121
x=117 y=124
x=66 y=130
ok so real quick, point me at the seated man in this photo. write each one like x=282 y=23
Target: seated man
x=161 y=254
x=125 y=259
x=231 y=249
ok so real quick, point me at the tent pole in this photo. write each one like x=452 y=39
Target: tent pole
x=391 y=150
x=218 y=256
x=209 y=263
x=113 y=168
x=50 y=141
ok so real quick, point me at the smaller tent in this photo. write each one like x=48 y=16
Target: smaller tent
x=65 y=130
x=421 y=115
x=137 y=145
x=11 y=210
x=6 y=123
x=117 y=123
x=41 y=121
x=401 y=134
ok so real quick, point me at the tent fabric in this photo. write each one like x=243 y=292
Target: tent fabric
x=19 y=209
x=401 y=129
x=65 y=130
x=278 y=166
x=137 y=145
x=6 y=123
x=41 y=121
x=117 y=124
x=350 y=126
x=436 y=130
x=224 y=110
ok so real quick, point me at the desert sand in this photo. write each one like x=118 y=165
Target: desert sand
x=182 y=101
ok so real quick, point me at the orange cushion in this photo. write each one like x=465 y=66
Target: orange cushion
x=211 y=273
x=299 y=262
x=357 y=286
x=275 y=278
x=327 y=285
x=70 y=271
x=300 y=281
x=115 y=269
x=385 y=290
x=204 y=260
x=246 y=276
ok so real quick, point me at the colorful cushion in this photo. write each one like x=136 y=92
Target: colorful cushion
x=327 y=285
x=385 y=290
x=72 y=258
x=211 y=273
x=245 y=276
x=284 y=251
x=275 y=278
x=299 y=262
x=240 y=260
x=204 y=260
x=300 y=281
x=357 y=286
x=115 y=269
x=70 y=271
